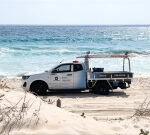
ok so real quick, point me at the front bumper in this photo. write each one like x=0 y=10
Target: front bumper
x=25 y=85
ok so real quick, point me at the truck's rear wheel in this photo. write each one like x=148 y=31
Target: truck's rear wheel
x=122 y=85
x=39 y=87
x=102 y=88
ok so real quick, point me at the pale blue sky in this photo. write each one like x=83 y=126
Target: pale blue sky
x=61 y=12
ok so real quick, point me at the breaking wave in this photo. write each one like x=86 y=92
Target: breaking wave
x=48 y=50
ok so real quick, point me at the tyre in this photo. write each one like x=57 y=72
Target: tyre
x=102 y=88
x=39 y=87
x=122 y=85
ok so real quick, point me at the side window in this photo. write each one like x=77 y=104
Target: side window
x=63 y=68
x=77 y=67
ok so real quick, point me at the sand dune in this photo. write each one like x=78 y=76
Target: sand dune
x=103 y=114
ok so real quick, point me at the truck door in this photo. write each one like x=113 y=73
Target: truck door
x=55 y=80
x=79 y=76
x=63 y=77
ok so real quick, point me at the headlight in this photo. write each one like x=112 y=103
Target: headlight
x=25 y=77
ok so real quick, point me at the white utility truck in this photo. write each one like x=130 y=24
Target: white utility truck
x=78 y=76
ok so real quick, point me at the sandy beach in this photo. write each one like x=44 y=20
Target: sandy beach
x=115 y=114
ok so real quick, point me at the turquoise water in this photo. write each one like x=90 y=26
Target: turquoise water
x=35 y=49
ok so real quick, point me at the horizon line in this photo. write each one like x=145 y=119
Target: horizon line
x=75 y=24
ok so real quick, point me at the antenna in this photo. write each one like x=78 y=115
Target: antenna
x=61 y=61
x=126 y=53
x=88 y=52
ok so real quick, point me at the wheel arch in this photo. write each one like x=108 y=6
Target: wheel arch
x=101 y=87
x=38 y=81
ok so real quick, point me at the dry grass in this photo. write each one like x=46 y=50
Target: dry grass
x=47 y=101
x=4 y=86
x=143 y=110
x=15 y=116
x=12 y=116
x=143 y=132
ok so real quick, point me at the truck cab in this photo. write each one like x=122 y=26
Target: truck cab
x=68 y=76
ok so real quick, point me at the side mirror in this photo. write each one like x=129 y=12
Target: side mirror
x=54 y=71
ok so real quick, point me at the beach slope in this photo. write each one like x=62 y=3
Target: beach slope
x=121 y=112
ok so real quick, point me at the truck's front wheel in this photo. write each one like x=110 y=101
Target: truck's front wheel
x=101 y=87
x=39 y=87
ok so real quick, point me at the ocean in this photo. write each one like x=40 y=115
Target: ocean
x=34 y=49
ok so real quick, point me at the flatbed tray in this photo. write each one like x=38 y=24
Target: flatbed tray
x=110 y=75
